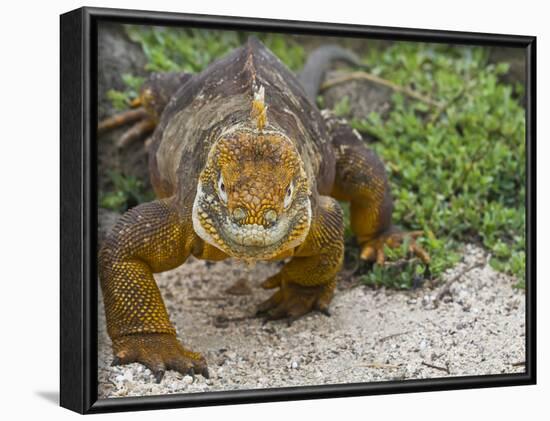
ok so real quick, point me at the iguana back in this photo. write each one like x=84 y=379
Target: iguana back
x=220 y=98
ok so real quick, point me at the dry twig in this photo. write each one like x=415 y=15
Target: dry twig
x=446 y=290
x=385 y=338
x=378 y=365
x=208 y=298
x=436 y=367
x=380 y=81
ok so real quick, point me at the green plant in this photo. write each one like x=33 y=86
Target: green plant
x=457 y=170
x=121 y=99
x=343 y=107
x=191 y=50
x=127 y=192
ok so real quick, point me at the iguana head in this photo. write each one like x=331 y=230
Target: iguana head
x=252 y=197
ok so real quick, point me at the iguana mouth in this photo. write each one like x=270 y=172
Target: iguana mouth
x=255 y=235
x=252 y=241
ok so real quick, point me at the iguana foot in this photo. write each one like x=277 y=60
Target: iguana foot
x=158 y=352
x=292 y=301
x=121 y=119
x=141 y=125
x=373 y=250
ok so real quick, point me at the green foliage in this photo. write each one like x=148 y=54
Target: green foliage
x=457 y=170
x=342 y=108
x=122 y=99
x=284 y=46
x=403 y=272
x=127 y=192
x=173 y=49
x=191 y=50
x=119 y=99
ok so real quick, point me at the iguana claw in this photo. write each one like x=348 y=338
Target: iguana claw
x=158 y=352
x=373 y=250
x=159 y=375
x=293 y=301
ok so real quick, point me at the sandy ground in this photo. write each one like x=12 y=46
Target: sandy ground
x=372 y=335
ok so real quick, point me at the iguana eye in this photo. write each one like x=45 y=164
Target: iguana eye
x=221 y=189
x=288 y=195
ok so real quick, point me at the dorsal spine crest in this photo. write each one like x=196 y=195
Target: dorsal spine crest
x=259 y=109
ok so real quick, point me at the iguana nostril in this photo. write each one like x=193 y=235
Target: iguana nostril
x=239 y=214
x=270 y=216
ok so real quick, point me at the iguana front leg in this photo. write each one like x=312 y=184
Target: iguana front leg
x=149 y=238
x=361 y=179
x=308 y=281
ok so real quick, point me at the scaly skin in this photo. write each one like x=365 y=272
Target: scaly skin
x=244 y=166
x=149 y=238
x=361 y=180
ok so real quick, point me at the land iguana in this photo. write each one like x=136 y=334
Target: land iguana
x=243 y=165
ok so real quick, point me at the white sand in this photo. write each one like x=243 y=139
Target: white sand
x=373 y=335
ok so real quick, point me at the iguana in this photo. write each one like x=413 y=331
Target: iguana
x=243 y=165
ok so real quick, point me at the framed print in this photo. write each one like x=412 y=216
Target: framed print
x=256 y=210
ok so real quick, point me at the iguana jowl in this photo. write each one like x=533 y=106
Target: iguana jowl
x=244 y=165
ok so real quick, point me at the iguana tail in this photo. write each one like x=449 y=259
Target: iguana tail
x=318 y=63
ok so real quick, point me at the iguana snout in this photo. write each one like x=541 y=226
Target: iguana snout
x=252 y=198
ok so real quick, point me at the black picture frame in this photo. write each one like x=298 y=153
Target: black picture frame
x=78 y=382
